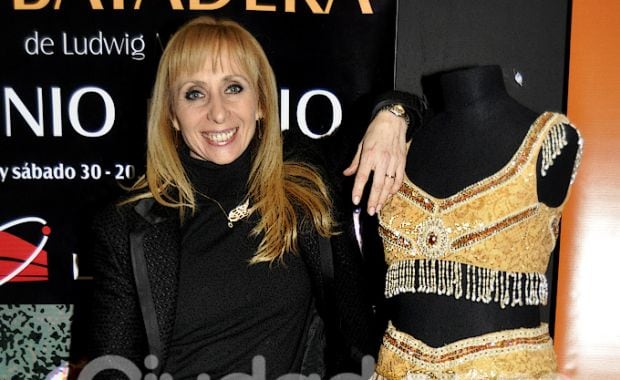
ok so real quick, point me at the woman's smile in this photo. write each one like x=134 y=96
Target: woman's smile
x=221 y=137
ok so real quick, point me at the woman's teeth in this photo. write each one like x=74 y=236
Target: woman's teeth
x=220 y=137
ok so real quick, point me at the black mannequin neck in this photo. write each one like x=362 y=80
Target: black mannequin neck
x=462 y=89
x=476 y=132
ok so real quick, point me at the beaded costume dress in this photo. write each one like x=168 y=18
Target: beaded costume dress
x=491 y=243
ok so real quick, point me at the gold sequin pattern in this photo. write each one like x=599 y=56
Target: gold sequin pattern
x=497 y=223
x=524 y=352
x=474 y=237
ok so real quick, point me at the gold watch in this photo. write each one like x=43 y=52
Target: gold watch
x=397 y=110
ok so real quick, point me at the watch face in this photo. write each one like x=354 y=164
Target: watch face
x=398 y=110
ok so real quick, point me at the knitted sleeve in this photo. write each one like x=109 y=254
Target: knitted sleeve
x=115 y=323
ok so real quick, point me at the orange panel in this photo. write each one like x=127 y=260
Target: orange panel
x=587 y=334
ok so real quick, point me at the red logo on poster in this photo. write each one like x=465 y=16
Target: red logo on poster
x=21 y=260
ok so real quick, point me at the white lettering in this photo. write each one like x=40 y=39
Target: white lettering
x=74 y=116
x=100 y=45
x=36 y=123
x=285 y=103
x=11 y=98
x=119 y=363
x=33 y=45
x=137 y=45
x=56 y=112
x=258 y=371
x=32 y=171
x=4 y=171
x=131 y=371
x=301 y=112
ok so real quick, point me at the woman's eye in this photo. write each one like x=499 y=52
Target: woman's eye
x=234 y=89
x=193 y=95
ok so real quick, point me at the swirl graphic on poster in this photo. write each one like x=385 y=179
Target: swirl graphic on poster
x=21 y=260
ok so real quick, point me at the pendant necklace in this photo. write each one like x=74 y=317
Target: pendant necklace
x=236 y=214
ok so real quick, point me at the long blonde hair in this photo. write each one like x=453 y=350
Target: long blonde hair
x=278 y=190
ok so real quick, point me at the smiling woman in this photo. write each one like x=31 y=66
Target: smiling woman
x=213 y=260
x=216 y=111
x=215 y=99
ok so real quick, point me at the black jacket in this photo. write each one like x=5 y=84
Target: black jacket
x=122 y=325
x=342 y=295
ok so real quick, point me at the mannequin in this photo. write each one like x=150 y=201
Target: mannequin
x=478 y=112
x=468 y=236
x=474 y=135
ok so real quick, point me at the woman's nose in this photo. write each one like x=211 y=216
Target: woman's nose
x=217 y=111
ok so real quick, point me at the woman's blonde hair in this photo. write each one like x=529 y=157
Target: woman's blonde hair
x=278 y=190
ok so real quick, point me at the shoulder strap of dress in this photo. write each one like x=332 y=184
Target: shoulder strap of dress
x=553 y=137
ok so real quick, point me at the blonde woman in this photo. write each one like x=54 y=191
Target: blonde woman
x=212 y=265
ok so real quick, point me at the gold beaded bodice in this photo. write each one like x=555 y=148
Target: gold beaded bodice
x=489 y=242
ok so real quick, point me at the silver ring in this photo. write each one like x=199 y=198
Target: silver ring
x=391 y=176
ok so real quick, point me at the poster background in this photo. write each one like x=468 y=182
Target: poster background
x=347 y=52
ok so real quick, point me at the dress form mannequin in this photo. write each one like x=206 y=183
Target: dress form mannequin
x=475 y=133
x=473 y=136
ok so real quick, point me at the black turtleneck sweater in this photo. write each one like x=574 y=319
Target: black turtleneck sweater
x=229 y=311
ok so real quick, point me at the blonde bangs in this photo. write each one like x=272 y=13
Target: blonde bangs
x=201 y=44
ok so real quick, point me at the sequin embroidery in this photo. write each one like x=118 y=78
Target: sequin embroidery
x=496 y=232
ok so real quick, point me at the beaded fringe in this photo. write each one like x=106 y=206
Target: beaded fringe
x=475 y=283
x=552 y=147
x=577 y=157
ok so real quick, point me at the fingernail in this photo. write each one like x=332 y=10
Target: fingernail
x=356 y=200
x=378 y=208
x=371 y=211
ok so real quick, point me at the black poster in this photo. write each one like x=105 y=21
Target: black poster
x=75 y=85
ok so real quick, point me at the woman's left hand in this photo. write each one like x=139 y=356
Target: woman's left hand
x=383 y=151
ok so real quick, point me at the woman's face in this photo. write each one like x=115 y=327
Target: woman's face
x=216 y=111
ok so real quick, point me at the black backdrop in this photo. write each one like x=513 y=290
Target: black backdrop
x=75 y=82
x=73 y=114
x=525 y=36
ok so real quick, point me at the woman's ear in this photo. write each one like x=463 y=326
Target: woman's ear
x=175 y=124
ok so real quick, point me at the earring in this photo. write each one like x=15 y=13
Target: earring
x=176 y=138
x=259 y=128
